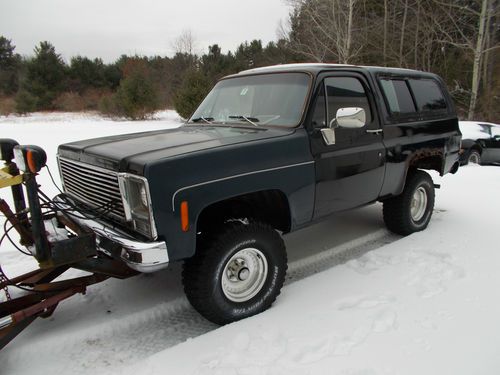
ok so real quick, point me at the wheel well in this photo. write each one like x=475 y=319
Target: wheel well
x=475 y=147
x=427 y=159
x=269 y=206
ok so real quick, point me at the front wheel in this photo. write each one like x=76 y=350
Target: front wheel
x=236 y=274
x=474 y=157
x=411 y=211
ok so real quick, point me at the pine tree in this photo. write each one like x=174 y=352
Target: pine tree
x=45 y=76
x=216 y=65
x=192 y=91
x=25 y=102
x=86 y=73
x=137 y=95
x=249 y=55
x=9 y=66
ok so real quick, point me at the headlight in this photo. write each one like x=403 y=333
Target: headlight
x=20 y=160
x=137 y=203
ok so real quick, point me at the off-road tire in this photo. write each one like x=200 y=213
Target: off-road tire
x=203 y=274
x=397 y=211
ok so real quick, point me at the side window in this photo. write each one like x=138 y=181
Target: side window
x=495 y=132
x=398 y=96
x=428 y=95
x=342 y=92
x=486 y=129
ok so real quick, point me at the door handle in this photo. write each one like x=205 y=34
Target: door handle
x=374 y=131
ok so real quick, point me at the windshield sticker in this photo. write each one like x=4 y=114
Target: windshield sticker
x=244 y=91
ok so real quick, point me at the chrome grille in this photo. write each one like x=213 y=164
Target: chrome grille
x=94 y=186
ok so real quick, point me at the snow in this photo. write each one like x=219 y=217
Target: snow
x=424 y=304
x=357 y=301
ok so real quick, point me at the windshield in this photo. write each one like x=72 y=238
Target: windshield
x=266 y=99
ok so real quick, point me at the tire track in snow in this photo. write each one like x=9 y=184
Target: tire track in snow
x=109 y=347
x=338 y=255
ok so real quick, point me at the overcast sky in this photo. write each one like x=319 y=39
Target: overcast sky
x=109 y=28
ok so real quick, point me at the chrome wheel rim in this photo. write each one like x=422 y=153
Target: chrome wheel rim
x=244 y=275
x=418 y=204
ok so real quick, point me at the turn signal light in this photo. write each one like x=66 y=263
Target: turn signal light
x=184 y=216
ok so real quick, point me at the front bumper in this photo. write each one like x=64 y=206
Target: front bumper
x=140 y=256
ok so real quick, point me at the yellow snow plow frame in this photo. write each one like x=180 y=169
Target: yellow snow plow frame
x=6 y=179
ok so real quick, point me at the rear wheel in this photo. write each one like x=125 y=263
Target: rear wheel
x=236 y=274
x=411 y=211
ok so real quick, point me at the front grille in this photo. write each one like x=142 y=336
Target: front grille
x=97 y=187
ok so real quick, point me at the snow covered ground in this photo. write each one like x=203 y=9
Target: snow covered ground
x=358 y=300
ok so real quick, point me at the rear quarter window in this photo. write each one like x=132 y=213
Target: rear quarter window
x=413 y=99
x=398 y=97
x=428 y=95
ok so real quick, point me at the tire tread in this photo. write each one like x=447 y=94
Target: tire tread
x=396 y=209
x=196 y=279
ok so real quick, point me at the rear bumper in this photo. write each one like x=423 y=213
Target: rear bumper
x=139 y=255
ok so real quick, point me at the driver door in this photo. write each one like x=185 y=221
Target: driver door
x=491 y=152
x=350 y=172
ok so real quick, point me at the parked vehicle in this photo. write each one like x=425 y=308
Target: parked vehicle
x=480 y=142
x=268 y=151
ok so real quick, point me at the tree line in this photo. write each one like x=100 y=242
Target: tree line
x=132 y=86
x=457 y=39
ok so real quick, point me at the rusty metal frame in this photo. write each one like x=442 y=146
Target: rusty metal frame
x=42 y=294
x=45 y=295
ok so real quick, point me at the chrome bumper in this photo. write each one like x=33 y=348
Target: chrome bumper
x=140 y=256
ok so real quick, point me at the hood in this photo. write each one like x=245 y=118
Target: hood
x=131 y=152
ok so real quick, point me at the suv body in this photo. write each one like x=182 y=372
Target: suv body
x=280 y=146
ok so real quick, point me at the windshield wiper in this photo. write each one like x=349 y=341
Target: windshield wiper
x=251 y=120
x=208 y=120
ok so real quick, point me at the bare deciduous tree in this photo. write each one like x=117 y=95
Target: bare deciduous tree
x=185 y=43
x=467 y=28
x=457 y=39
x=326 y=29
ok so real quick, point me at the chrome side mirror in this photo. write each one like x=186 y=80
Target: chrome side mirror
x=351 y=117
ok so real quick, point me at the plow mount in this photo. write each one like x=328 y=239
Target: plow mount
x=49 y=234
x=41 y=301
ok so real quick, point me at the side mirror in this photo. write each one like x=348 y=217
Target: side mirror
x=351 y=118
